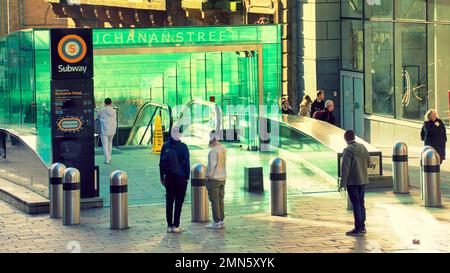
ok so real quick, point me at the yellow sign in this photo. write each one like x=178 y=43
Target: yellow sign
x=158 y=137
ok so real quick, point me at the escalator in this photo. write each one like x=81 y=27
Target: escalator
x=141 y=133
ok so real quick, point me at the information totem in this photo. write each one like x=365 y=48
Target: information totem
x=72 y=104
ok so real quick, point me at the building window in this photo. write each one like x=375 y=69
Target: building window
x=378 y=9
x=379 y=68
x=439 y=10
x=352 y=45
x=439 y=68
x=410 y=9
x=352 y=8
x=411 y=71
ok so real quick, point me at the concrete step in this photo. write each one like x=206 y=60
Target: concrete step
x=33 y=203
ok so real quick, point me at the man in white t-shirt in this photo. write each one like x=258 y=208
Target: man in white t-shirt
x=216 y=175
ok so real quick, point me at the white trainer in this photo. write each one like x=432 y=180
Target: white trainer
x=177 y=229
x=169 y=229
x=222 y=224
x=215 y=225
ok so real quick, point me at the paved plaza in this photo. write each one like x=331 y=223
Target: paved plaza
x=316 y=223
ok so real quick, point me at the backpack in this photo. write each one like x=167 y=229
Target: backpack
x=169 y=161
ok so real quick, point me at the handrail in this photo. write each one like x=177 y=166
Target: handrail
x=148 y=125
x=143 y=108
x=205 y=103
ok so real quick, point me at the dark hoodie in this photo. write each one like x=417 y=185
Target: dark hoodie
x=183 y=157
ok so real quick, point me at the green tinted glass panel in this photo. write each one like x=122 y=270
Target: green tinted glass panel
x=131 y=79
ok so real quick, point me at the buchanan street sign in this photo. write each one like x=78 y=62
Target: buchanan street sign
x=183 y=36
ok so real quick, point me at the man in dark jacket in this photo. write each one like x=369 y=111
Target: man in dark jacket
x=354 y=177
x=174 y=168
x=319 y=102
x=327 y=113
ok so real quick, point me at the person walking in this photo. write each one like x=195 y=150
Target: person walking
x=108 y=126
x=174 y=169
x=433 y=133
x=216 y=175
x=305 y=106
x=354 y=177
x=319 y=102
x=327 y=113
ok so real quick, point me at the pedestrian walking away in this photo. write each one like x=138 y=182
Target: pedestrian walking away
x=174 y=169
x=354 y=178
x=216 y=175
x=108 y=127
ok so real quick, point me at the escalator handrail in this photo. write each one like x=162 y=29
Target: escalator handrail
x=148 y=125
x=147 y=104
x=206 y=103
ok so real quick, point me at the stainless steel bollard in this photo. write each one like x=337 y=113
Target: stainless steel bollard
x=199 y=194
x=119 y=200
x=278 y=187
x=424 y=149
x=71 y=197
x=431 y=179
x=55 y=190
x=400 y=168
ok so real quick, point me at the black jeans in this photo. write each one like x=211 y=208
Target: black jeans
x=175 y=192
x=356 y=195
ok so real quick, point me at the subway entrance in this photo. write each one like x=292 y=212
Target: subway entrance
x=223 y=78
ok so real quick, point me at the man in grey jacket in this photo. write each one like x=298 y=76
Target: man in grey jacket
x=354 y=177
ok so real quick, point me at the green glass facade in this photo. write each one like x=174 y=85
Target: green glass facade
x=401 y=47
x=238 y=65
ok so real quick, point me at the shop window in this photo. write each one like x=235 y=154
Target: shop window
x=410 y=9
x=379 y=94
x=411 y=71
x=378 y=8
x=352 y=45
x=439 y=68
x=439 y=10
x=352 y=8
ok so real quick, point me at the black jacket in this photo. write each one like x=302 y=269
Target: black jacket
x=325 y=115
x=434 y=136
x=183 y=157
x=317 y=106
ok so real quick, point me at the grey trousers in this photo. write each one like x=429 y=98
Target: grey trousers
x=216 y=192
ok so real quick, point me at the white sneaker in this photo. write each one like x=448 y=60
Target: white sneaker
x=169 y=229
x=215 y=225
x=177 y=229
x=222 y=224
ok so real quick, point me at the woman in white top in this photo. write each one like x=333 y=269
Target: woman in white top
x=108 y=126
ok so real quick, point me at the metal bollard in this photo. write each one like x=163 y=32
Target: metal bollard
x=278 y=187
x=119 y=200
x=424 y=149
x=199 y=194
x=71 y=197
x=400 y=168
x=431 y=179
x=55 y=190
